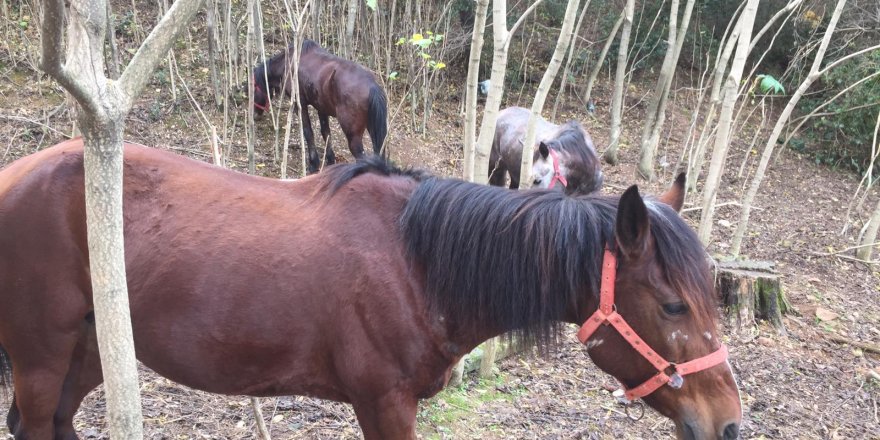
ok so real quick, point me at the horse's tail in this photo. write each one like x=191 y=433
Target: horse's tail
x=377 y=119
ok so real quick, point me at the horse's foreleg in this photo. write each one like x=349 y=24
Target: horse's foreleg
x=83 y=376
x=391 y=417
x=314 y=161
x=325 y=134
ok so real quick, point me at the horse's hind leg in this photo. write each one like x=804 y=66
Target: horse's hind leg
x=83 y=376
x=13 y=416
x=325 y=134
x=314 y=162
x=38 y=378
x=391 y=417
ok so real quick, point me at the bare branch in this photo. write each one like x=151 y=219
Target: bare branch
x=52 y=42
x=846 y=58
x=155 y=47
x=520 y=21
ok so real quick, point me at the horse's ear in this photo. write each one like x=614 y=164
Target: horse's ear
x=543 y=149
x=674 y=196
x=633 y=228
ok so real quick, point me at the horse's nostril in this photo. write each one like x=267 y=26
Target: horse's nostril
x=731 y=432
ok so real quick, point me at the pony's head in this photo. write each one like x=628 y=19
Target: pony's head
x=261 y=90
x=670 y=355
x=567 y=162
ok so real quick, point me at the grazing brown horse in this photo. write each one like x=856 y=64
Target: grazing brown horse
x=334 y=87
x=564 y=157
x=220 y=303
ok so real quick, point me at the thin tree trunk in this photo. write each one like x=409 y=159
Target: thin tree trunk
x=595 y=73
x=869 y=239
x=470 y=117
x=113 y=68
x=493 y=101
x=618 y=94
x=722 y=136
x=349 y=28
x=567 y=71
x=102 y=106
x=656 y=115
x=525 y=180
x=717 y=79
x=814 y=74
x=212 y=52
x=249 y=123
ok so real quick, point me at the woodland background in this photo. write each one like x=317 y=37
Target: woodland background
x=810 y=214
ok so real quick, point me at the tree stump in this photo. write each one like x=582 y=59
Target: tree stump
x=751 y=290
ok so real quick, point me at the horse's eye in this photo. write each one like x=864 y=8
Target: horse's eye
x=536 y=182
x=675 y=308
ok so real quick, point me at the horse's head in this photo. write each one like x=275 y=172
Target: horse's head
x=567 y=162
x=669 y=354
x=261 y=92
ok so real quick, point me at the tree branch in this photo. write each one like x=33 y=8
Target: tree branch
x=844 y=59
x=155 y=47
x=520 y=21
x=52 y=31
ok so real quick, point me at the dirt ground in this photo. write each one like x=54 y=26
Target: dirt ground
x=796 y=385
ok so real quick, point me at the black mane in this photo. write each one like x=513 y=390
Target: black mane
x=336 y=176
x=521 y=260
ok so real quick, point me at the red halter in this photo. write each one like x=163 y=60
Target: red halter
x=557 y=175
x=257 y=88
x=607 y=314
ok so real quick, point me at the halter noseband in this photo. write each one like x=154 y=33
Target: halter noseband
x=607 y=314
x=557 y=175
x=257 y=88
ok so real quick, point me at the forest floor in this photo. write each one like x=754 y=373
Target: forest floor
x=796 y=385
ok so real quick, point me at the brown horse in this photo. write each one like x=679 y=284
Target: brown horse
x=564 y=156
x=219 y=302
x=334 y=87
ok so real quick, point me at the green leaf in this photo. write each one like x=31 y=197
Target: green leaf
x=769 y=85
x=401 y=41
x=425 y=56
x=416 y=38
x=393 y=75
x=440 y=65
x=371 y=4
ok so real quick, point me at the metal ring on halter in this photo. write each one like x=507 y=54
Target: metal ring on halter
x=640 y=405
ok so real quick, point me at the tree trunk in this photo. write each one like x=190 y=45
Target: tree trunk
x=493 y=101
x=656 y=115
x=349 y=28
x=814 y=74
x=470 y=117
x=617 y=96
x=102 y=106
x=869 y=239
x=212 y=52
x=695 y=164
x=567 y=71
x=249 y=122
x=525 y=179
x=722 y=136
x=589 y=89
x=751 y=290
x=113 y=68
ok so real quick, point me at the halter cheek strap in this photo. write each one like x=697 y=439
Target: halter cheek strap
x=257 y=88
x=607 y=314
x=557 y=175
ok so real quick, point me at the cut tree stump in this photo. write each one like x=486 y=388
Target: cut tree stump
x=751 y=290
